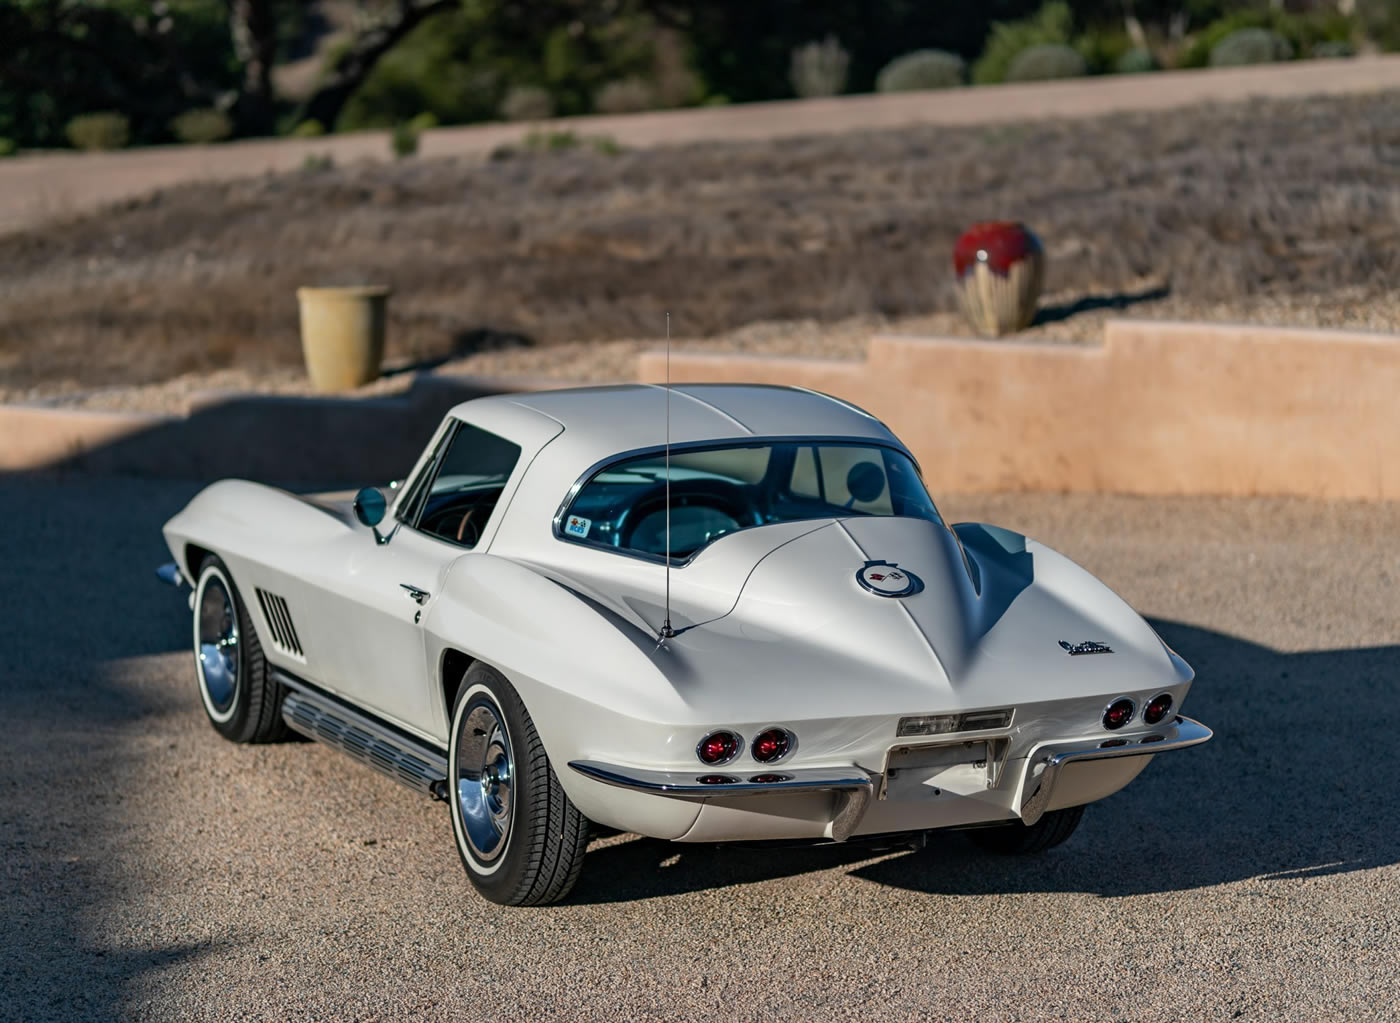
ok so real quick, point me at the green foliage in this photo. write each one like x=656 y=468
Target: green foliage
x=1102 y=50
x=203 y=126
x=1053 y=23
x=1135 y=61
x=426 y=121
x=60 y=59
x=527 y=103
x=100 y=131
x=1329 y=48
x=8 y=147
x=1046 y=61
x=627 y=96
x=308 y=129
x=403 y=140
x=819 y=68
x=1250 y=46
x=605 y=144
x=477 y=60
x=551 y=141
x=1302 y=32
x=538 y=143
x=1379 y=21
x=922 y=69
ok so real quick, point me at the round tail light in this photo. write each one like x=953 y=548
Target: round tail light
x=771 y=745
x=719 y=748
x=1118 y=714
x=1157 y=709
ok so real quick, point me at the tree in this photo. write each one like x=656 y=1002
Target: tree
x=384 y=25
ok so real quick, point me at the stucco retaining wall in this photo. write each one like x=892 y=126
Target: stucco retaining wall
x=265 y=437
x=1158 y=408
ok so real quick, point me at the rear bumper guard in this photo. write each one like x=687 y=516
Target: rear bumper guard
x=1181 y=733
x=855 y=786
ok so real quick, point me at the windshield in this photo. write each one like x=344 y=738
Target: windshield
x=717 y=491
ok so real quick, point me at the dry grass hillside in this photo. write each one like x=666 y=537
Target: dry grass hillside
x=1267 y=210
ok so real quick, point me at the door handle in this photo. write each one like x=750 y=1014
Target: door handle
x=419 y=596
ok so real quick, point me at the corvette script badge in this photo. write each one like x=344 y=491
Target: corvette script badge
x=1087 y=647
x=887 y=579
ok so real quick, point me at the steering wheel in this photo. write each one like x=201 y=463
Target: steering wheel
x=467 y=532
x=721 y=495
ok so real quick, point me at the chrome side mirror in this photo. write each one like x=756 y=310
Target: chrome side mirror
x=370 y=507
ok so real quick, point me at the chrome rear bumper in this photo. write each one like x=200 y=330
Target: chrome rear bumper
x=855 y=785
x=1044 y=765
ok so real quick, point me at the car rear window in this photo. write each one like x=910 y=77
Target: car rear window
x=716 y=491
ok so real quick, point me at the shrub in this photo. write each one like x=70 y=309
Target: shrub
x=1051 y=24
x=403 y=140
x=1250 y=46
x=1102 y=50
x=922 y=69
x=91 y=132
x=426 y=121
x=1046 y=61
x=819 y=69
x=1332 y=48
x=1379 y=21
x=1302 y=31
x=309 y=129
x=527 y=103
x=200 y=127
x=8 y=147
x=626 y=96
x=605 y=144
x=550 y=141
x=1135 y=61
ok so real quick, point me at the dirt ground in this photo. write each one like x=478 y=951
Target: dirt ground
x=156 y=872
x=1269 y=211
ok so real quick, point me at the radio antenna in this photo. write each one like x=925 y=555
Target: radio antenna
x=666 y=631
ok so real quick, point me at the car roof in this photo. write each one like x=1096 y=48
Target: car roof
x=600 y=422
x=606 y=420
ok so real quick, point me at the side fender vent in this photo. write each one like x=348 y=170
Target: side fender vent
x=279 y=623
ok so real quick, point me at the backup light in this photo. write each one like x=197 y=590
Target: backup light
x=942 y=724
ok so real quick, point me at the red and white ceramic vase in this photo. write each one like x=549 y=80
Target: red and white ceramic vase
x=1000 y=267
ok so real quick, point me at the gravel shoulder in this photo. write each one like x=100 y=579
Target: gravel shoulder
x=154 y=871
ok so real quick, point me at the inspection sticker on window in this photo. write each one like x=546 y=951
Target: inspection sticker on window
x=577 y=525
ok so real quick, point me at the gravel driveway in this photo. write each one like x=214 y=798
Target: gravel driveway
x=154 y=871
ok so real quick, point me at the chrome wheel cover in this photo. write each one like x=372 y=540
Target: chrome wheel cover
x=485 y=781
x=216 y=645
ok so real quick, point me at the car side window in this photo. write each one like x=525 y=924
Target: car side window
x=465 y=483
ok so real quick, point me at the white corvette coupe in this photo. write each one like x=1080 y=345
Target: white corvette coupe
x=705 y=613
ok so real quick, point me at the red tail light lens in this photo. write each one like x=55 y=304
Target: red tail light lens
x=1157 y=709
x=772 y=745
x=719 y=748
x=1119 y=713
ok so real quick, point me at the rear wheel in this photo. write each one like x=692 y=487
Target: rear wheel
x=520 y=839
x=1015 y=839
x=241 y=699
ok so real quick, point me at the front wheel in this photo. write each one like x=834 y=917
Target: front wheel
x=242 y=700
x=521 y=840
x=1015 y=839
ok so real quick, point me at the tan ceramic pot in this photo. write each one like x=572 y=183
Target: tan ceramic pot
x=342 y=335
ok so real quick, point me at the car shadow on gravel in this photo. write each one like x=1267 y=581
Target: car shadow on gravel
x=1298 y=782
